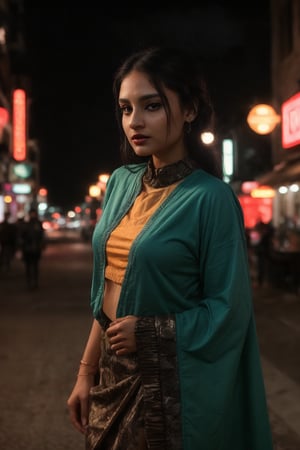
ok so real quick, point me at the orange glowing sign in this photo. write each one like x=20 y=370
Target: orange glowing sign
x=262 y=119
x=19 y=125
x=263 y=192
x=290 y=111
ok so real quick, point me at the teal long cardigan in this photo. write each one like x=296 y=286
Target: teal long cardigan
x=191 y=260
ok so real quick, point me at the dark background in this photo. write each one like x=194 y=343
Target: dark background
x=73 y=52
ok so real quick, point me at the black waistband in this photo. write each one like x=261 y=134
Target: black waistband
x=104 y=320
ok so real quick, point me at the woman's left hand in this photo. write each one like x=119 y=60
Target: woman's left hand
x=121 y=335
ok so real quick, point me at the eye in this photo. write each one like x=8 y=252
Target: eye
x=125 y=109
x=154 y=106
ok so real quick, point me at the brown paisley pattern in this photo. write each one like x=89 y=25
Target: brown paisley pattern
x=135 y=407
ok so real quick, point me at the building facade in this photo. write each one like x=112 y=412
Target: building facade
x=285 y=74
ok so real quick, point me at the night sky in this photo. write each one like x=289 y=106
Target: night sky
x=74 y=51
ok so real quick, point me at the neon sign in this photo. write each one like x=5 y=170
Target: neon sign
x=291 y=121
x=19 y=125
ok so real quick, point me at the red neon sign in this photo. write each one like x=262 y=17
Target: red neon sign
x=253 y=208
x=290 y=110
x=4 y=117
x=19 y=125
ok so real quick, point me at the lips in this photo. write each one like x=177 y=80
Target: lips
x=139 y=139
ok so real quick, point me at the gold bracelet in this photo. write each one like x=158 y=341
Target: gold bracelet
x=85 y=363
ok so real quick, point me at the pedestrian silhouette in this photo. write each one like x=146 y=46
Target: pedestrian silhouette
x=263 y=251
x=32 y=241
x=8 y=241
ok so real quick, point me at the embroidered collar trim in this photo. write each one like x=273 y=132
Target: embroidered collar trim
x=167 y=175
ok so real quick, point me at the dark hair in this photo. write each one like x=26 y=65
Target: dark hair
x=179 y=71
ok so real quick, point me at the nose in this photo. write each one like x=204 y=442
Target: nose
x=136 y=120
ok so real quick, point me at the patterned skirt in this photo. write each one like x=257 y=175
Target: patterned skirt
x=134 y=406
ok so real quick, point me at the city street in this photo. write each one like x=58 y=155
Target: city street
x=43 y=332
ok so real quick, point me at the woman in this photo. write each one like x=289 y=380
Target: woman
x=173 y=332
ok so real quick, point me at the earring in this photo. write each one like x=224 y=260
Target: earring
x=188 y=127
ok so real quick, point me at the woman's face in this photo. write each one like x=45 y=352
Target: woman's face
x=144 y=120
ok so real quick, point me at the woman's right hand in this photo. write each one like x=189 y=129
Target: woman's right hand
x=78 y=402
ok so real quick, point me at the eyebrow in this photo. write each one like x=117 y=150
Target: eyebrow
x=143 y=97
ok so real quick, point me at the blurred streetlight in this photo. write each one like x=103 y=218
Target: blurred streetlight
x=94 y=191
x=103 y=177
x=207 y=137
x=102 y=180
x=94 y=204
x=263 y=119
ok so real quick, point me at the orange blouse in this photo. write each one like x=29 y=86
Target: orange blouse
x=121 y=238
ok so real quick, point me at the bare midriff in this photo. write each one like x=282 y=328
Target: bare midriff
x=111 y=298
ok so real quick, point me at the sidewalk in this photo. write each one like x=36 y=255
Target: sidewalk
x=278 y=326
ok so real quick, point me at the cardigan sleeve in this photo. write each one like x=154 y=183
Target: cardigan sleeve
x=221 y=318
x=217 y=347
